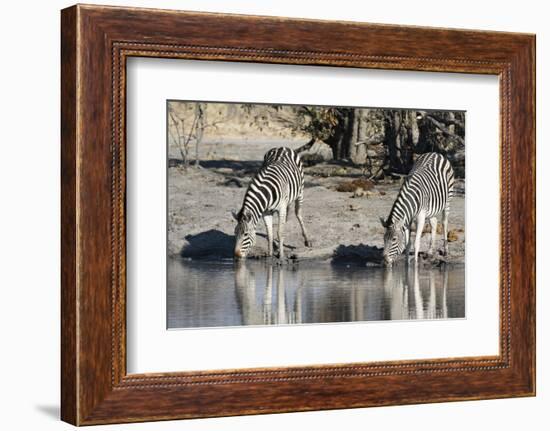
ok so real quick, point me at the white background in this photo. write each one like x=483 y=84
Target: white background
x=29 y=216
x=153 y=349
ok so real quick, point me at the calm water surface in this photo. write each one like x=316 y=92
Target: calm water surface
x=213 y=294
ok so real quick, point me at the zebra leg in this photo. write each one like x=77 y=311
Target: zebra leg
x=408 y=241
x=433 y=224
x=267 y=295
x=268 y=220
x=298 y=210
x=445 y=231
x=280 y=233
x=420 y=219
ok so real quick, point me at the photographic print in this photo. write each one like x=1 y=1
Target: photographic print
x=283 y=213
x=295 y=214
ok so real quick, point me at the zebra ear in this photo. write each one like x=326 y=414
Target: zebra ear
x=384 y=223
x=235 y=215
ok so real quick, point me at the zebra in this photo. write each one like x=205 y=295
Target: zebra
x=278 y=183
x=425 y=193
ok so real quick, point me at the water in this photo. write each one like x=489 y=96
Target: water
x=252 y=292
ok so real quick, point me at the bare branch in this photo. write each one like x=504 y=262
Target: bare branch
x=443 y=129
x=305 y=147
x=179 y=137
x=376 y=139
x=190 y=135
x=446 y=121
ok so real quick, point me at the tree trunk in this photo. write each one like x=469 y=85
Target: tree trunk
x=339 y=140
x=351 y=129
x=403 y=132
x=358 y=153
x=401 y=137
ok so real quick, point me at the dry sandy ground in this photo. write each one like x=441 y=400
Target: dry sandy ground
x=341 y=225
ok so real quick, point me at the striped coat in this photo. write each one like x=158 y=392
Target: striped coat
x=278 y=183
x=425 y=194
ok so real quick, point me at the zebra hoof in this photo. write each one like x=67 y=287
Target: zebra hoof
x=308 y=244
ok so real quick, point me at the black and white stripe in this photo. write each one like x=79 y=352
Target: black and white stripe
x=425 y=194
x=279 y=183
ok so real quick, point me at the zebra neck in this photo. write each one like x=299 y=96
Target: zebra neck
x=254 y=210
x=405 y=207
x=260 y=196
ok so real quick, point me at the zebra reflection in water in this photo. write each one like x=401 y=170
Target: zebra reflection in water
x=256 y=305
x=257 y=292
x=417 y=294
x=276 y=295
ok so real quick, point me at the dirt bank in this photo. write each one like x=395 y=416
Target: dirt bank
x=343 y=225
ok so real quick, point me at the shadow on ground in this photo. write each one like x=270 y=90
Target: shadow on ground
x=237 y=166
x=211 y=243
x=358 y=254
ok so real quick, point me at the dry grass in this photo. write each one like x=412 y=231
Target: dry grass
x=452 y=235
x=352 y=186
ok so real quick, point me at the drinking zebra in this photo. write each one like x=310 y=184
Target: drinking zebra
x=278 y=183
x=425 y=193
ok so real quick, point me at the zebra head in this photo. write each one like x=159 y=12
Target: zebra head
x=245 y=233
x=395 y=240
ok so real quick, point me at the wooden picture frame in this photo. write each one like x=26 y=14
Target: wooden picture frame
x=96 y=41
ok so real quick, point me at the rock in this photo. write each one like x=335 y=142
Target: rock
x=318 y=153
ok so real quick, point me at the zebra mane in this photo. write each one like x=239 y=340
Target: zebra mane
x=279 y=165
x=277 y=153
x=428 y=187
x=240 y=215
x=393 y=218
